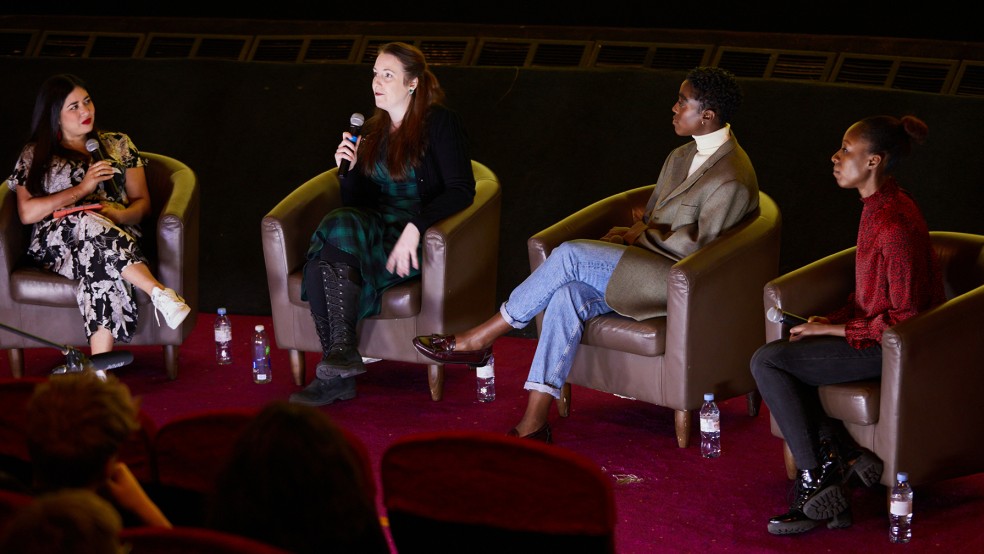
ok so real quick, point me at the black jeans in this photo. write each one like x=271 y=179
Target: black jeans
x=788 y=374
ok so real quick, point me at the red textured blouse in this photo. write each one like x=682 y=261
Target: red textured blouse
x=897 y=273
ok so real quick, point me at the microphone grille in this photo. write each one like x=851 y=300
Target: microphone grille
x=774 y=315
x=357 y=119
x=92 y=145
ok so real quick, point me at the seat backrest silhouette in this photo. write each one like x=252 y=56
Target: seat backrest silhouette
x=42 y=303
x=713 y=319
x=461 y=491
x=456 y=289
x=912 y=417
x=189 y=452
x=191 y=540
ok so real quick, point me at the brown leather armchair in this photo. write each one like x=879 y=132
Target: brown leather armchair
x=914 y=418
x=456 y=289
x=710 y=331
x=42 y=303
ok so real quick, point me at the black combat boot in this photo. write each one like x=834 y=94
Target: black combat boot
x=321 y=392
x=827 y=498
x=342 y=284
x=861 y=466
x=809 y=489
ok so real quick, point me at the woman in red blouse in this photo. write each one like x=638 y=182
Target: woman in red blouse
x=897 y=276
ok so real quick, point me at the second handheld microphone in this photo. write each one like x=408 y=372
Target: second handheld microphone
x=776 y=315
x=355 y=127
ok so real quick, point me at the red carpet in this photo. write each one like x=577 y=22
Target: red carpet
x=668 y=499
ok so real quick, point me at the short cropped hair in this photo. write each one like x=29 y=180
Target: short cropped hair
x=716 y=89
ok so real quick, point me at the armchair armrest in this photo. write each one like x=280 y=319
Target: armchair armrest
x=813 y=289
x=591 y=222
x=177 y=236
x=714 y=292
x=460 y=260
x=287 y=229
x=11 y=241
x=930 y=368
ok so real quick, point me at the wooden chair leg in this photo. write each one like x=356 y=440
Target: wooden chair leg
x=564 y=402
x=435 y=379
x=787 y=458
x=171 y=361
x=681 y=422
x=754 y=400
x=297 y=366
x=16 y=358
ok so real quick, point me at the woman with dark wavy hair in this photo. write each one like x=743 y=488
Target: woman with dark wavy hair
x=98 y=245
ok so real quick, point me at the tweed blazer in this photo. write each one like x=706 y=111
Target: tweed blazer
x=683 y=214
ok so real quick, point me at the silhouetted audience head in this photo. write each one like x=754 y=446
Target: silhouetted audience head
x=70 y=521
x=295 y=481
x=76 y=424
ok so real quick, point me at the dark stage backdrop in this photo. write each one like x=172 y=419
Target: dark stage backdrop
x=559 y=139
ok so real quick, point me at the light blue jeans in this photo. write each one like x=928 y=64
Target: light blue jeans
x=570 y=286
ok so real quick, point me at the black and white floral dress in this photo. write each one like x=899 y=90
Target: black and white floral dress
x=86 y=245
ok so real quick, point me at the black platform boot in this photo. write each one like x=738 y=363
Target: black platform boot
x=818 y=496
x=861 y=466
x=827 y=499
x=342 y=284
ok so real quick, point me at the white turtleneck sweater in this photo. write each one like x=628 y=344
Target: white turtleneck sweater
x=708 y=145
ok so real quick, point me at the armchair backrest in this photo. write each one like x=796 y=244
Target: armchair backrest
x=441 y=490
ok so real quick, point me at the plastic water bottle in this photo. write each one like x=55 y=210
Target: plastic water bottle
x=900 y=514
x=710 y=428
x=261 y=356
x=223 y=338
x=486 y=381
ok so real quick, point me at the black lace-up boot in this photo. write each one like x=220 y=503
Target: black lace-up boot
x=342 y=284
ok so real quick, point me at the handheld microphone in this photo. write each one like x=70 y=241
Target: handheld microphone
x=776 y=315
x=355 y=127
x=92 y=145
x=97 y=362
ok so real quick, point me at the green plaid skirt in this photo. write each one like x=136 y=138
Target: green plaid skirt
x=369 y=235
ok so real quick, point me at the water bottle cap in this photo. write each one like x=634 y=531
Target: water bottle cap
x=902 y=476
x=222 y=311
x=708 y=396
x=259 y=327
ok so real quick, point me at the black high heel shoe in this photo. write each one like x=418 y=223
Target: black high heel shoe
x=543 y=434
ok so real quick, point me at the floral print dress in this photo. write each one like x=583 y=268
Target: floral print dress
x=86 y=245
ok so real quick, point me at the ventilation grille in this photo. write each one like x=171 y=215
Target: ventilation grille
x=16 y=43
x=745 y=62
x=802 y=66
x=505 y=53
x=864 y=70
x=970 y=81
x=557 y=54
x=933 y=76
x=277 y=49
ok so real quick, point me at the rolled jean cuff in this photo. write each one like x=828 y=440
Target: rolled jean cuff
x=509 y=319
x=540 y=387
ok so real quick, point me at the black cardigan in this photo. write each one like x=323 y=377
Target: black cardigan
x=445 y=181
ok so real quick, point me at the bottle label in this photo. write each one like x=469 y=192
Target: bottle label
x=485 y=372
x=708 y=425
x=223 y=335
x=901 y=507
